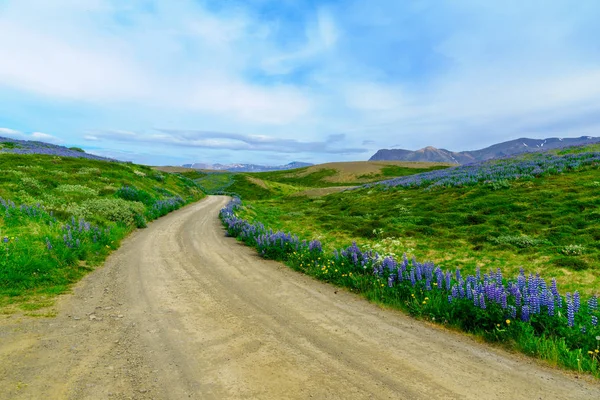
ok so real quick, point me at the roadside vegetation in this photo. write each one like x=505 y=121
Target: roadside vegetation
x=61 y=216
x=309 y=181
x=508 y=249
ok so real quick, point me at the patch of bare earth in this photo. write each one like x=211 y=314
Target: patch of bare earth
x=352 y=171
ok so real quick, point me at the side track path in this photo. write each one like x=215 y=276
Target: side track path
x=181 y=311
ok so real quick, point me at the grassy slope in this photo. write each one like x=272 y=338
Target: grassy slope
x=313 y=181
x=90 y=190
x=464 y=227
x=346 y=173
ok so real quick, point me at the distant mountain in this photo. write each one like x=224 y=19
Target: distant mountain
x=509 y=148
x=248 y=167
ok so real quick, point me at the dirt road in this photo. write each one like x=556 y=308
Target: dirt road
x=180 y=311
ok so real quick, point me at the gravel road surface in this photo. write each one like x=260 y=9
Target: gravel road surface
x=182 y=312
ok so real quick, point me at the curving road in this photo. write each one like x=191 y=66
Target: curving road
x=181 y=311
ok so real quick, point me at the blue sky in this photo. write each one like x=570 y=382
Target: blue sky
x=173 y=82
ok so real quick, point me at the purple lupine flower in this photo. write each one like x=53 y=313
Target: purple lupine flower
x=518 y=296
x=512 y=310
x=461 y=289
x=570 y=311
x=535 y=304
x=449 y=298
x=594 y=320
x=482 y=301
x=592 y=304
x=390 y=280
x=503 y=301
x=412 y=277
x=439 y=275
x=576 y=301
x=315 y=246
x=521 y=282
x=448 y=279
x=525 y=313
x=550 y=303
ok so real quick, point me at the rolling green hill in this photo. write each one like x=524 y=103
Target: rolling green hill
x=61 y=216
x=548 y=223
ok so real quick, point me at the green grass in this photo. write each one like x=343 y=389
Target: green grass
x=296 y=177
x=549 y=225
x=342 y=174
x=545 y=336
x=215 y=182
x=8 y=145
x=282 y=184
x=41 y=257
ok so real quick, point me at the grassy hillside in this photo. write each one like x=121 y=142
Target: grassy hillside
x=61 y=216
x=548 y=223
x=347 y=173
x=482 y=244
x=314 y=181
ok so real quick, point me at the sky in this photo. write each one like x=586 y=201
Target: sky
x=166 y=82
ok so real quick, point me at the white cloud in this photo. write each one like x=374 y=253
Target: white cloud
x=45 y=137
x=179 y=58
x=395 y=72
x=11 y=133
x=37 y=136
x=332 y=144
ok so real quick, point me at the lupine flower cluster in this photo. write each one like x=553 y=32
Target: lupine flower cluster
x=494 y=171
x=488 y=298
x=32 y=147
x=76 y=231
x=8 y=205
x=165 y=206
x=270 y=244
x=30 y=211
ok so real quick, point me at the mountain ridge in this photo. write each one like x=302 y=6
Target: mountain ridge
x=503 y=149
x=248 y=167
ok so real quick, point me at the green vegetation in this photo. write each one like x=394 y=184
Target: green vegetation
x=525 y=313
x=548 y=225
x=538 y=212
x=61 y=216
x=302 y=177
x=194 y=174
x=79 y=149
x=8 y=145
x=345 y=174
x=215 y=182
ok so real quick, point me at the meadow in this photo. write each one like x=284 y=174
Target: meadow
x=61 y=216
x=507 y=250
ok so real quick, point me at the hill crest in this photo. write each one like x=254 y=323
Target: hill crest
x=504 y=149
